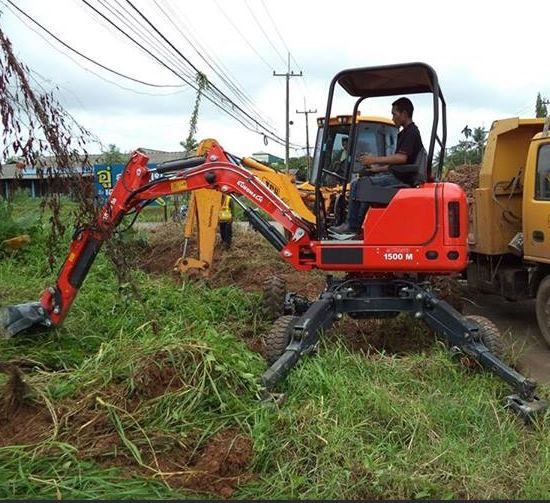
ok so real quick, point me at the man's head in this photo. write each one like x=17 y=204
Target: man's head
x=344 y=141
x=402 y=111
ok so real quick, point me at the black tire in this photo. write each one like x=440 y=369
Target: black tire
x=543 y=308
x=490 y=335
x=226 y=233
x=273 y=298
x=278 y=337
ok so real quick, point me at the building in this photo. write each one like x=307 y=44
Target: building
x=269 y=159
x=37 y=181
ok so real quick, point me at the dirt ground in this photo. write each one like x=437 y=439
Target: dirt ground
x=216 y=467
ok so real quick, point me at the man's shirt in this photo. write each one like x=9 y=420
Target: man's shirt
x=409 y=142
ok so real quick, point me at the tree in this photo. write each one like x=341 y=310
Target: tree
x=113 y=155
x=540 y=108
x=468 y=150
x=467 y=131
x=300 y=165
x=479 y=137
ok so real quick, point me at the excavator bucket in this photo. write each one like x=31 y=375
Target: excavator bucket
x=15 y=319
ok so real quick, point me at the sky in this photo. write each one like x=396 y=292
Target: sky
x=489 y=57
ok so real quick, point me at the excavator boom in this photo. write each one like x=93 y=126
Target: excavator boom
x=131 y=192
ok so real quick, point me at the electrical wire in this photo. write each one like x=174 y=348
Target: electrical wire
x=218 y=69
x=240 y=32
x=264 y=33
x=83 y=55
x=218 y=92
x=279 y=34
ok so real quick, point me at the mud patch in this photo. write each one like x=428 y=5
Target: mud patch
x=156 y=375
x=221 y=466
x=21 y=421
x=396 y=336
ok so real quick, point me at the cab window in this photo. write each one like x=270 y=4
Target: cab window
x=542 y=190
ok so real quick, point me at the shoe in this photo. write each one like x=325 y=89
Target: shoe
x=341 y=229
x=351 y=236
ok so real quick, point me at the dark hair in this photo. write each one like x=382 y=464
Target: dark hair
x=404 y=105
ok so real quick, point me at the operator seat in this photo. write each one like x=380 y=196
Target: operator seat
x=411 y=175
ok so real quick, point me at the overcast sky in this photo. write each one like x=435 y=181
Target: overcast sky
x=491 y=58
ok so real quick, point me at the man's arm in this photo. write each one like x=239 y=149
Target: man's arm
x=385 y=160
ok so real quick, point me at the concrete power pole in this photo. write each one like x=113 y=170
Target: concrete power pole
x=306 y=113
x=288 y=74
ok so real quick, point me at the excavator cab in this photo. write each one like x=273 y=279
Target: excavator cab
x=374 y=82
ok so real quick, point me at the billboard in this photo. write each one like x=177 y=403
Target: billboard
x=106 y=175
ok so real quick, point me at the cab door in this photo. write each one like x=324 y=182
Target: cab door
x=536 y=202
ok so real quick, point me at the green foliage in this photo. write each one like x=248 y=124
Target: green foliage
x=541 y=109
x=190 y=142
x=114 y=156
x=469 y=150
x=12 y=225
x=300 y=164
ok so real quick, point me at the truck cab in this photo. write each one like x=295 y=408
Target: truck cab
x=509 y=239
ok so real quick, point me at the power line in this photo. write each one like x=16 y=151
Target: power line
x=212 y=92
x=83 y=55
x=279 y=33
x=240 y=32
x=182 y=89
x=189 y=83
x=264 y=33
x=197 y=70
x=217 y=68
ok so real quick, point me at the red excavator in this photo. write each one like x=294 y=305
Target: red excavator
x=409 y=233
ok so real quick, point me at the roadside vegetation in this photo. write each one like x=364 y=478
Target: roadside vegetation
x=154 y=393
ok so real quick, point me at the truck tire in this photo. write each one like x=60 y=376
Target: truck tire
x=273 y=298
x=543 y=308
x=277 y=339
x=489 y=335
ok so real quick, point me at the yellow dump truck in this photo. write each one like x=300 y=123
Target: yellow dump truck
x=509 y=238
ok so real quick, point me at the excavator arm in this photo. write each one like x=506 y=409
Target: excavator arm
x=135 y=188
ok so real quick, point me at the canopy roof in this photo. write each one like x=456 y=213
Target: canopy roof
x=389 y=80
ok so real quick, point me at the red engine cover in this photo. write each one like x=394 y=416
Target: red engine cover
x=421 y=230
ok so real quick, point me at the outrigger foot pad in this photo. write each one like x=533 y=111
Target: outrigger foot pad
x=527 y=409
x=15 y=319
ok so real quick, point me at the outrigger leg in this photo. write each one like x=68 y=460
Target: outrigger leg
x=378 y=298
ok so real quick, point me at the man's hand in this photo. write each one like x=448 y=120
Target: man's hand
x=369 y=161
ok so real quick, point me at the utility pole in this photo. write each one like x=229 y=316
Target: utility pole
x=306 y=113
x=288 y=74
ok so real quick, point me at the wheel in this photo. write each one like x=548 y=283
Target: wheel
x=278 y=337
x=489 y=334
x=273 y=298
x=543 y=308
x=226 y=233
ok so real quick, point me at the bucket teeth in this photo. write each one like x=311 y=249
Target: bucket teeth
x=15 y=319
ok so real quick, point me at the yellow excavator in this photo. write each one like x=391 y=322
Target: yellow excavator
x=210 y=211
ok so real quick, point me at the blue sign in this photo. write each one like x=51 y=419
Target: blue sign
x=106 y=175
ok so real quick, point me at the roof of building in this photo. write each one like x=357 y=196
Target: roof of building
x=10 y=171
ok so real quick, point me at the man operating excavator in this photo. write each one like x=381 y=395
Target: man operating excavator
x=409 y=144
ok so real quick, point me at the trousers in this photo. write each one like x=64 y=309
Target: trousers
x=358 y=209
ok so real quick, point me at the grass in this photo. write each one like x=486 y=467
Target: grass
x=355 y=426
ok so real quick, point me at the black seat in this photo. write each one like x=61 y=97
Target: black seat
x=411 y=175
